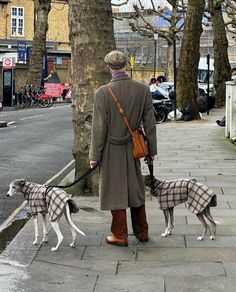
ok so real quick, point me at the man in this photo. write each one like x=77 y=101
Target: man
x=121 y=184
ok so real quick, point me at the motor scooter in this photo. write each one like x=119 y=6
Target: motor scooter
x=161 y=109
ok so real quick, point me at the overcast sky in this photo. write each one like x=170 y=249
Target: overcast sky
x=129 y=6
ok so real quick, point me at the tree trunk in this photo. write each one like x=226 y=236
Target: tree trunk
x=187 y=88
x=39 y=42
x=91 y=38
x=222 y=70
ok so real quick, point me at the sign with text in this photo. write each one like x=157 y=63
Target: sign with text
x=21 y=50
x=53 y=89
x=8 y=63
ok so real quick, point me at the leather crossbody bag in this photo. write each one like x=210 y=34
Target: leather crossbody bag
x=138 y=137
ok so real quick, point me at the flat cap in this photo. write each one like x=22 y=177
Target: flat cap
x=116 y=60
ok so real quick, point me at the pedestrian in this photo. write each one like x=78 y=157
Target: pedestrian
x=120 y=184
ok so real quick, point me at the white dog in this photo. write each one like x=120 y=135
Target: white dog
x=51 y=200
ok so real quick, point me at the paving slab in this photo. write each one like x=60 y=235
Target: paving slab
x=128 y=283
x=198 y=283
x=200 y=254
x=55 y=278
x=113 y=253
x=204 y=269
x=66 y=256
x=220 y=241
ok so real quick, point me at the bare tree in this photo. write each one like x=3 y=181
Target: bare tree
x=91 y=37
x=142 y=22
x=42 y=9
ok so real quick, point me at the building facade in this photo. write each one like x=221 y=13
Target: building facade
x=17 y=19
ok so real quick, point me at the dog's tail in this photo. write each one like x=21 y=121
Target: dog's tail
x=68 y=217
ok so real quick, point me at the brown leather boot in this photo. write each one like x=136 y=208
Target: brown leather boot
x=118 y=228
x=116 y=241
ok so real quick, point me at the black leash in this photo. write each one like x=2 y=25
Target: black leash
x=150 y=167
x=87 y=172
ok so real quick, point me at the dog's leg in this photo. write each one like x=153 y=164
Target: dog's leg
x=73 y=232
x=205 y=226
x=171 y=219
x=45 y=233
x=207 y=213
x=36 y=229
x=167 y=222
x=56 y=228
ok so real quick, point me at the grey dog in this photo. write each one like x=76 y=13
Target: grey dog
x=175 y=192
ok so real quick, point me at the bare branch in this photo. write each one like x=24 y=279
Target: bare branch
x=120 y=4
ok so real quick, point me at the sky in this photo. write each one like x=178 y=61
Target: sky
x=129 y=6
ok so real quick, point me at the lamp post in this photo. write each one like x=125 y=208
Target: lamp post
x=155 y=35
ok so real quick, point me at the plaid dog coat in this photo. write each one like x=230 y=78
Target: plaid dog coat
x=175 y=192
x=47 y=200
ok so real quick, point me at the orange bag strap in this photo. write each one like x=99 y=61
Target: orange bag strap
x=120 y=109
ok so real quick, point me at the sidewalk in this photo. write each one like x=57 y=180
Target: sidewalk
x=178 y=263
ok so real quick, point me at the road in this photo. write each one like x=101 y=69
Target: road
x=36 y=145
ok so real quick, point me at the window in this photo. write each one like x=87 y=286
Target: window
x=17 y=21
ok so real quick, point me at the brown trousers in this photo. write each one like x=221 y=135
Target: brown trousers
x=139 y=222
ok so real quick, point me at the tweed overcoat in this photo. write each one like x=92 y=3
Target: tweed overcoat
x=121 y=184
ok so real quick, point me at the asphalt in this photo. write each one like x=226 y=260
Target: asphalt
x=178 y=263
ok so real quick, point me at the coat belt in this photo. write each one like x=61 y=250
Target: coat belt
x=118 y=140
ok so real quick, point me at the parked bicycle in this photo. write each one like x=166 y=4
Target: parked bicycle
x=29 y=97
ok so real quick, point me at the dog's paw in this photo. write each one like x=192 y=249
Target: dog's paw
x=169 y=232
x=35 y=242
x=45 y=240
x=163 y=235
x=212 y=237
x=53 y=249
x=200 y=238
x=72 y=244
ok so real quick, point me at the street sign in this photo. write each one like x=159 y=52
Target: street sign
x=8 y=63
x=21 y=50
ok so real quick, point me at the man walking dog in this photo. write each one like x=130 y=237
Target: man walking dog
x=121 y=183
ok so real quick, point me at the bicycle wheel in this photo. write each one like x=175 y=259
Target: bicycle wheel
x=50 y=102
x=42 y=103
x=1 y=105
x=24 y=101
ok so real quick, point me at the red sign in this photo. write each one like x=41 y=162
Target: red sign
x=53 y=89
x=8 y=63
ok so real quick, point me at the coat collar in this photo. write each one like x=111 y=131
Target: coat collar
x=121 y=77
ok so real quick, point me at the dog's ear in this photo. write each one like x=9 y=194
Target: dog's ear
x=21 y=181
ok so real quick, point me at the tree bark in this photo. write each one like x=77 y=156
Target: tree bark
x=91 y=38
x=187 y=87
x=39 y=42
x=222 y=69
